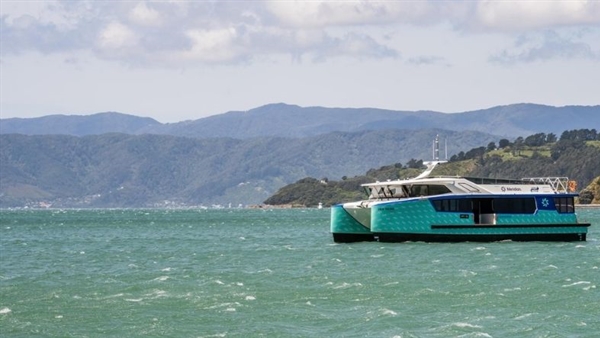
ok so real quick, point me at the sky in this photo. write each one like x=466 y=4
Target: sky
x=184 y=60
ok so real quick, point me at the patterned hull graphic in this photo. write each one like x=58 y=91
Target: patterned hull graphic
x=418 y=220
x=346 y=228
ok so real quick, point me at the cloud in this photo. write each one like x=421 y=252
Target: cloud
x=546 y=46
x=526 y=15
x=322 y=14
x=175 y=33
x=218 y=45
x=116 y=36
x=144 y=15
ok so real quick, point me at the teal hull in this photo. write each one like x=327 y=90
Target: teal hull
x=346 y=228
x=418 y=220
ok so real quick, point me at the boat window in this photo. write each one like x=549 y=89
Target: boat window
x=438 y=190
x=514 y=205
x=397 y=192
x=468 y=187
x=453 y=205
x=428 y=190
x=380 y=192
x=564 y=205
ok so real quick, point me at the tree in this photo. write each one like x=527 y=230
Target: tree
x=586 y=196
x=475 y=153
x=579 y=135
x=491 y=146
x=535 y=140
x=503 y=143
x=414 y=164
x=517 y=146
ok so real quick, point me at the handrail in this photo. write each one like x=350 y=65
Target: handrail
x=558 y=184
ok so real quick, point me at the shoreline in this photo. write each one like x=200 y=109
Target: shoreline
x=587 y=206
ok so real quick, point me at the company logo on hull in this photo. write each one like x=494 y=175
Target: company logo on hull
x=504 y=189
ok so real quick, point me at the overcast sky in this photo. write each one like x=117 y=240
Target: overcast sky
x=183 y=60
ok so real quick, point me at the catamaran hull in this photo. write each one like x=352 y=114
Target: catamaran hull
x=346 y=227
x=417 y=220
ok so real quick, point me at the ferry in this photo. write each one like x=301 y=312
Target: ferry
x=456 y=209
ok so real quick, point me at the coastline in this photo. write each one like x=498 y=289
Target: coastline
x=587 y=206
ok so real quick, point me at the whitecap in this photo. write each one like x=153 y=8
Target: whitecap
x=345 y=285
x=136 y=300
x=466 y=325
x=156 y=294
x=111 y=296
x=5 y=310
x=523 y=316
x=513 y=289
x=576 y=283
x=219 y=282
x=161 y=278
x=215 y=335
x=389 y=312
x=166 y=269
x=58 y=316
x=239 y=284
x=250 y=298
x=230 y=309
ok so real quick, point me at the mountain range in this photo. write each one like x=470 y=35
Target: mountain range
x=119 y=160
x=293 y=121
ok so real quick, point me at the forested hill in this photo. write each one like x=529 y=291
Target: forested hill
x=576 y=154
x=119 y=170
x=284 y=120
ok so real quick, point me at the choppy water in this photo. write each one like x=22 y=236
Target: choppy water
x=277 y=273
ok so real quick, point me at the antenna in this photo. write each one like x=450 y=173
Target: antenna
x=436 y=146
x=446 y=146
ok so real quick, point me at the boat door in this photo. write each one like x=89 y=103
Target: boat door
x=483 y=211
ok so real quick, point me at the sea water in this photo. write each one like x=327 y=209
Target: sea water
x=277 y=273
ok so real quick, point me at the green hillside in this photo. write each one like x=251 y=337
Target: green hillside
x=118 y=170
x=575 y=154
